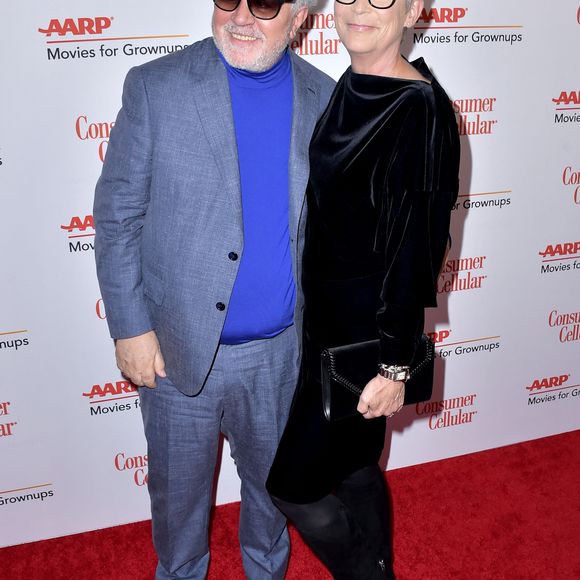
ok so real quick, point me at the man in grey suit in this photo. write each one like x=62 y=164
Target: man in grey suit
x=199 y=214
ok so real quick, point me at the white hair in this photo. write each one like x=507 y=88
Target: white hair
x=298 y=4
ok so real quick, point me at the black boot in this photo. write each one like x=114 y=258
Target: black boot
x=335 y=537
x=365 y=495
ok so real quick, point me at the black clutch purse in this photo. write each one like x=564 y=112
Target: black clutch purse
x=347 y=369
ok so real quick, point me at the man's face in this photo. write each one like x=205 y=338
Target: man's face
x=250 y=43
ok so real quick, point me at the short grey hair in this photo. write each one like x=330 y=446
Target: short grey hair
x=298 y=4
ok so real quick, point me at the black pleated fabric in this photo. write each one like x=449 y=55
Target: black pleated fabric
x=384 y=164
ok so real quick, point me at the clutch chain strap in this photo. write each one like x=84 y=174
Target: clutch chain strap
x=356 y=390
x=339 y=378
x=425 y=361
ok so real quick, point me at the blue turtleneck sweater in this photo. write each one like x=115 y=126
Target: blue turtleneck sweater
x=262 y=301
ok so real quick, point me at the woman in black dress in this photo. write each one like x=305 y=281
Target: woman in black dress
x=384 y=162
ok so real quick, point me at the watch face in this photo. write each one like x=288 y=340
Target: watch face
x=394 y=375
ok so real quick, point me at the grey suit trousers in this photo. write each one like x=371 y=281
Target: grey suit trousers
x=247 y=397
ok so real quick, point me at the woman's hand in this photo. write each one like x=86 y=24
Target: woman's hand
x=381 y=396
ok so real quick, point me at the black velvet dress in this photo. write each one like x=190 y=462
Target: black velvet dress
x=384 y=162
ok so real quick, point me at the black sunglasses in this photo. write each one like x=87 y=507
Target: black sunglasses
x=261 y=9
x=380 y=4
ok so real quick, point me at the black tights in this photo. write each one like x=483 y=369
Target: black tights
x=348 y=530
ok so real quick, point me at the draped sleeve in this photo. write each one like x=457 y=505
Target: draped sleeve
x=412 y=233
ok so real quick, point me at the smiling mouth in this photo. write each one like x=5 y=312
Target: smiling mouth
x=243 y=37
x=360 y=27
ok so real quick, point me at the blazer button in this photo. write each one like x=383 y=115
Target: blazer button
x=233 y=256
x=220 y=306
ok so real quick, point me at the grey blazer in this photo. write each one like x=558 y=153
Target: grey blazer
x=168 y=208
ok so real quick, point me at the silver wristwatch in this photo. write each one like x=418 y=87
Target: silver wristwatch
x=394 y=372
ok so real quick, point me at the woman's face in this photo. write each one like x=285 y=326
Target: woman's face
x=373 y=32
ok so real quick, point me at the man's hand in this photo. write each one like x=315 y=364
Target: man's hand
x=381 y=396
x=139 y=359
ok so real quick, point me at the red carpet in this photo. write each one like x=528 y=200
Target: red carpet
x=510 y=513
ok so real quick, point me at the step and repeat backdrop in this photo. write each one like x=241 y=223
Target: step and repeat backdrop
x=72 y=452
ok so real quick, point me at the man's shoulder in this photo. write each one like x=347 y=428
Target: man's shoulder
x=313 y=73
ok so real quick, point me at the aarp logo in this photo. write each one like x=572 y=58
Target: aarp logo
x=567 y=98
x=440 y=15
x=548 y=383
x=77 y=26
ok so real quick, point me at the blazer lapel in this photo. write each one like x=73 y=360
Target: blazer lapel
x=212 y=98
x=304 y=116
